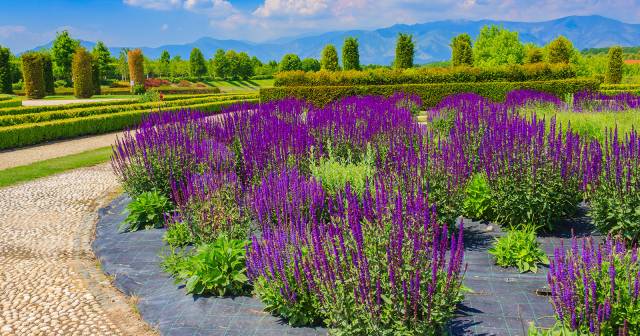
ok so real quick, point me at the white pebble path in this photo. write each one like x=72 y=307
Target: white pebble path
x=50 y=283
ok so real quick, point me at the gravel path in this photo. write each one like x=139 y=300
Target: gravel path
x=49 y=278
x=53 y=102
x=24 y=156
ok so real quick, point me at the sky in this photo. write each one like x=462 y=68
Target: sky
x=25 y=24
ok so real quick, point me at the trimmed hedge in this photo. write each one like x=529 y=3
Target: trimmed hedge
x=30 y=134
x=431 y=94
x=33 y=74
x=47 y=73
x=126 y=91
x=136 y=66
x=461 y=74
x=11 y=120
x=5 y=70
x=82 y=73
x=10 y=103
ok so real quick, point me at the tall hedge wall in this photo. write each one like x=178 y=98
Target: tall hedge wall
x=47 y=73
x=460 y=74
x=431 y=94
x=81 y=69
x=33 y=75
x=5 y=71
x=136 y=66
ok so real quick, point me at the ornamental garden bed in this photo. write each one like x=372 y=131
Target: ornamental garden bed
x=347 y=217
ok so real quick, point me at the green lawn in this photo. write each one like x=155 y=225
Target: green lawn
x=53 y=166
x=241 y=85
x=58 y=97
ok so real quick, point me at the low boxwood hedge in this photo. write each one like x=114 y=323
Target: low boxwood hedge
x=30 y=134
x=431 y=94
x=10 y=103
x=126 y=90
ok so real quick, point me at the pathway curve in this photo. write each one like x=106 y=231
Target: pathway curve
x=54 y=102
x=49 y=278
x=51 y=150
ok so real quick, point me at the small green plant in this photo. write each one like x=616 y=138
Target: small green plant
x=146 y=211
x=556 y=330
x=217 y=268
x=305 y=312
x=178 y=235
x=616 y=212
x=149 y=96
x=335 y=173
x=138 y=89
x=477 y=202
x=519 y=248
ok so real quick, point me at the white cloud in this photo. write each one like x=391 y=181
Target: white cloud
x=9 y=31
x=155 y=4
x=292 y=7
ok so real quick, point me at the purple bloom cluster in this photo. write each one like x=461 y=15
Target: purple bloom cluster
x=597 y=101
x=594 y=289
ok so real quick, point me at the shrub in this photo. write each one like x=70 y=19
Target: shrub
x=594 y=289
x=5 y=71
x=95 y=77
x=82 y=74
x=136 y=66
x=431 y=94
x=138 y=89
x=614 y=67
x=290 y=62
x=460 y=74
x=560 y=50
x=519 y=248
x=329 y=59
x=477 y=202
x=350 y=54
x=33 y=74
x=461 y=50
x=404 y=52
x=47 y=68
x=150 y=96
x=178 y=235
x=335 y=174
x=217 y=268
x=146 y=211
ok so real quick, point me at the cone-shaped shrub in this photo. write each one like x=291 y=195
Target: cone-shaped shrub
x=5 y=71
x=47 y=68
x=82 y=73
x=136 y=66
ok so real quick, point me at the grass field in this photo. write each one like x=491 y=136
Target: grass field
x=53 y=166
x=241 y=85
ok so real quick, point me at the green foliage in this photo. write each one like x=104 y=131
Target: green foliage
x=556 y=330
x=461 y=50
x=102 y=60
x=560 y=50
x=334 y=173
x=431 y=94
x=245 y=66
x=496 y=46
x=217 y=268
x=62 y=53
x=533 y=200
x=304 y=312
x=33 y=73
x=150 y=96
x=405 y=50
x=197 y=64
x=290 y=62
x=47 y=73
x=614 y=69
x=616 y=212
x=310 y=64
x=178 y=235
x=138 y=89
x=5 y=71
x=477 y=201
x=146 y=211
x=95 y=78
x=533 y=54
x=382 y=76
x=136 y=66
x=329 y=59
x=350 y=54
x=82 y=74
x=220 y=64
x=519 y=248
x=164 y=65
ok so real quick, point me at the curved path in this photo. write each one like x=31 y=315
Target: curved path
x=49 y=278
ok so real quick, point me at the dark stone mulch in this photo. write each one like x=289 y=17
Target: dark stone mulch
x=503 y=301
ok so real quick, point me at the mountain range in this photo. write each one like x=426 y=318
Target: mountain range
x=431 y=39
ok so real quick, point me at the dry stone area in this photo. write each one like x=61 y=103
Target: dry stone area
x=49 y=279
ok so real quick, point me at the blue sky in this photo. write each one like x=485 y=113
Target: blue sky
x=25 y=24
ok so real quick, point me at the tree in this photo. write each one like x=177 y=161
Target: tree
x=310 y=64
x=33 y=75
x=404 y=51
x=614 y=68
x=95 y=77
x=102 y=59
x=179 y=67
x=461 y=50
x=136 y=66
x=350 y=54
x=329 y=60
x=82 y=64
x=220 y=64
x=197 y=64
x=245 y=66
x=497 y=46
x=164 y=64
x=533 y=54
x=560 y=50
x=123 y=64
x=290 y=62
x=5 y=70
x=233 y=63
x=47 y=74
x=62 y=53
